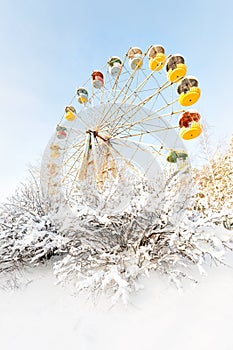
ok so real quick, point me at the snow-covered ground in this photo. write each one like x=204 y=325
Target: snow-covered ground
x=42 y=315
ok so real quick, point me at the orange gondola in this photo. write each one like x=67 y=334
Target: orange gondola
x=189 y=124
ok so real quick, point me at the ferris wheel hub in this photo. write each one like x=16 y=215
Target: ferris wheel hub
x=96 y=134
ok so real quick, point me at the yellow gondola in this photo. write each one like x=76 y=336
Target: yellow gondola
x=176 y=68
x=188 y=90
x=70 y=113
x=157 y=57
x=82 y=95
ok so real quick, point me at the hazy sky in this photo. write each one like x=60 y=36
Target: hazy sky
x=49 y=47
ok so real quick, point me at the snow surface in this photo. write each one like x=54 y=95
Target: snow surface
x=42 y=315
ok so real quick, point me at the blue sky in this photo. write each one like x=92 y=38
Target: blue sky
x=49 y=47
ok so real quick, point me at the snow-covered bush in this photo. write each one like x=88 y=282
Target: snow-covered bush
x=100 y=253
x=111 y=254
x=27 y=232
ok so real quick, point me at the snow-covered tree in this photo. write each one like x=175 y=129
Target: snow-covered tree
x=214 y=184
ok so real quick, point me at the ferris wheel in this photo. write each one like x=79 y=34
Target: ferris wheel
x=126 y=123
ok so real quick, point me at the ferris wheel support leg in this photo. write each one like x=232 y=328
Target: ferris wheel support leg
x=85 y=157
x=98 y=175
